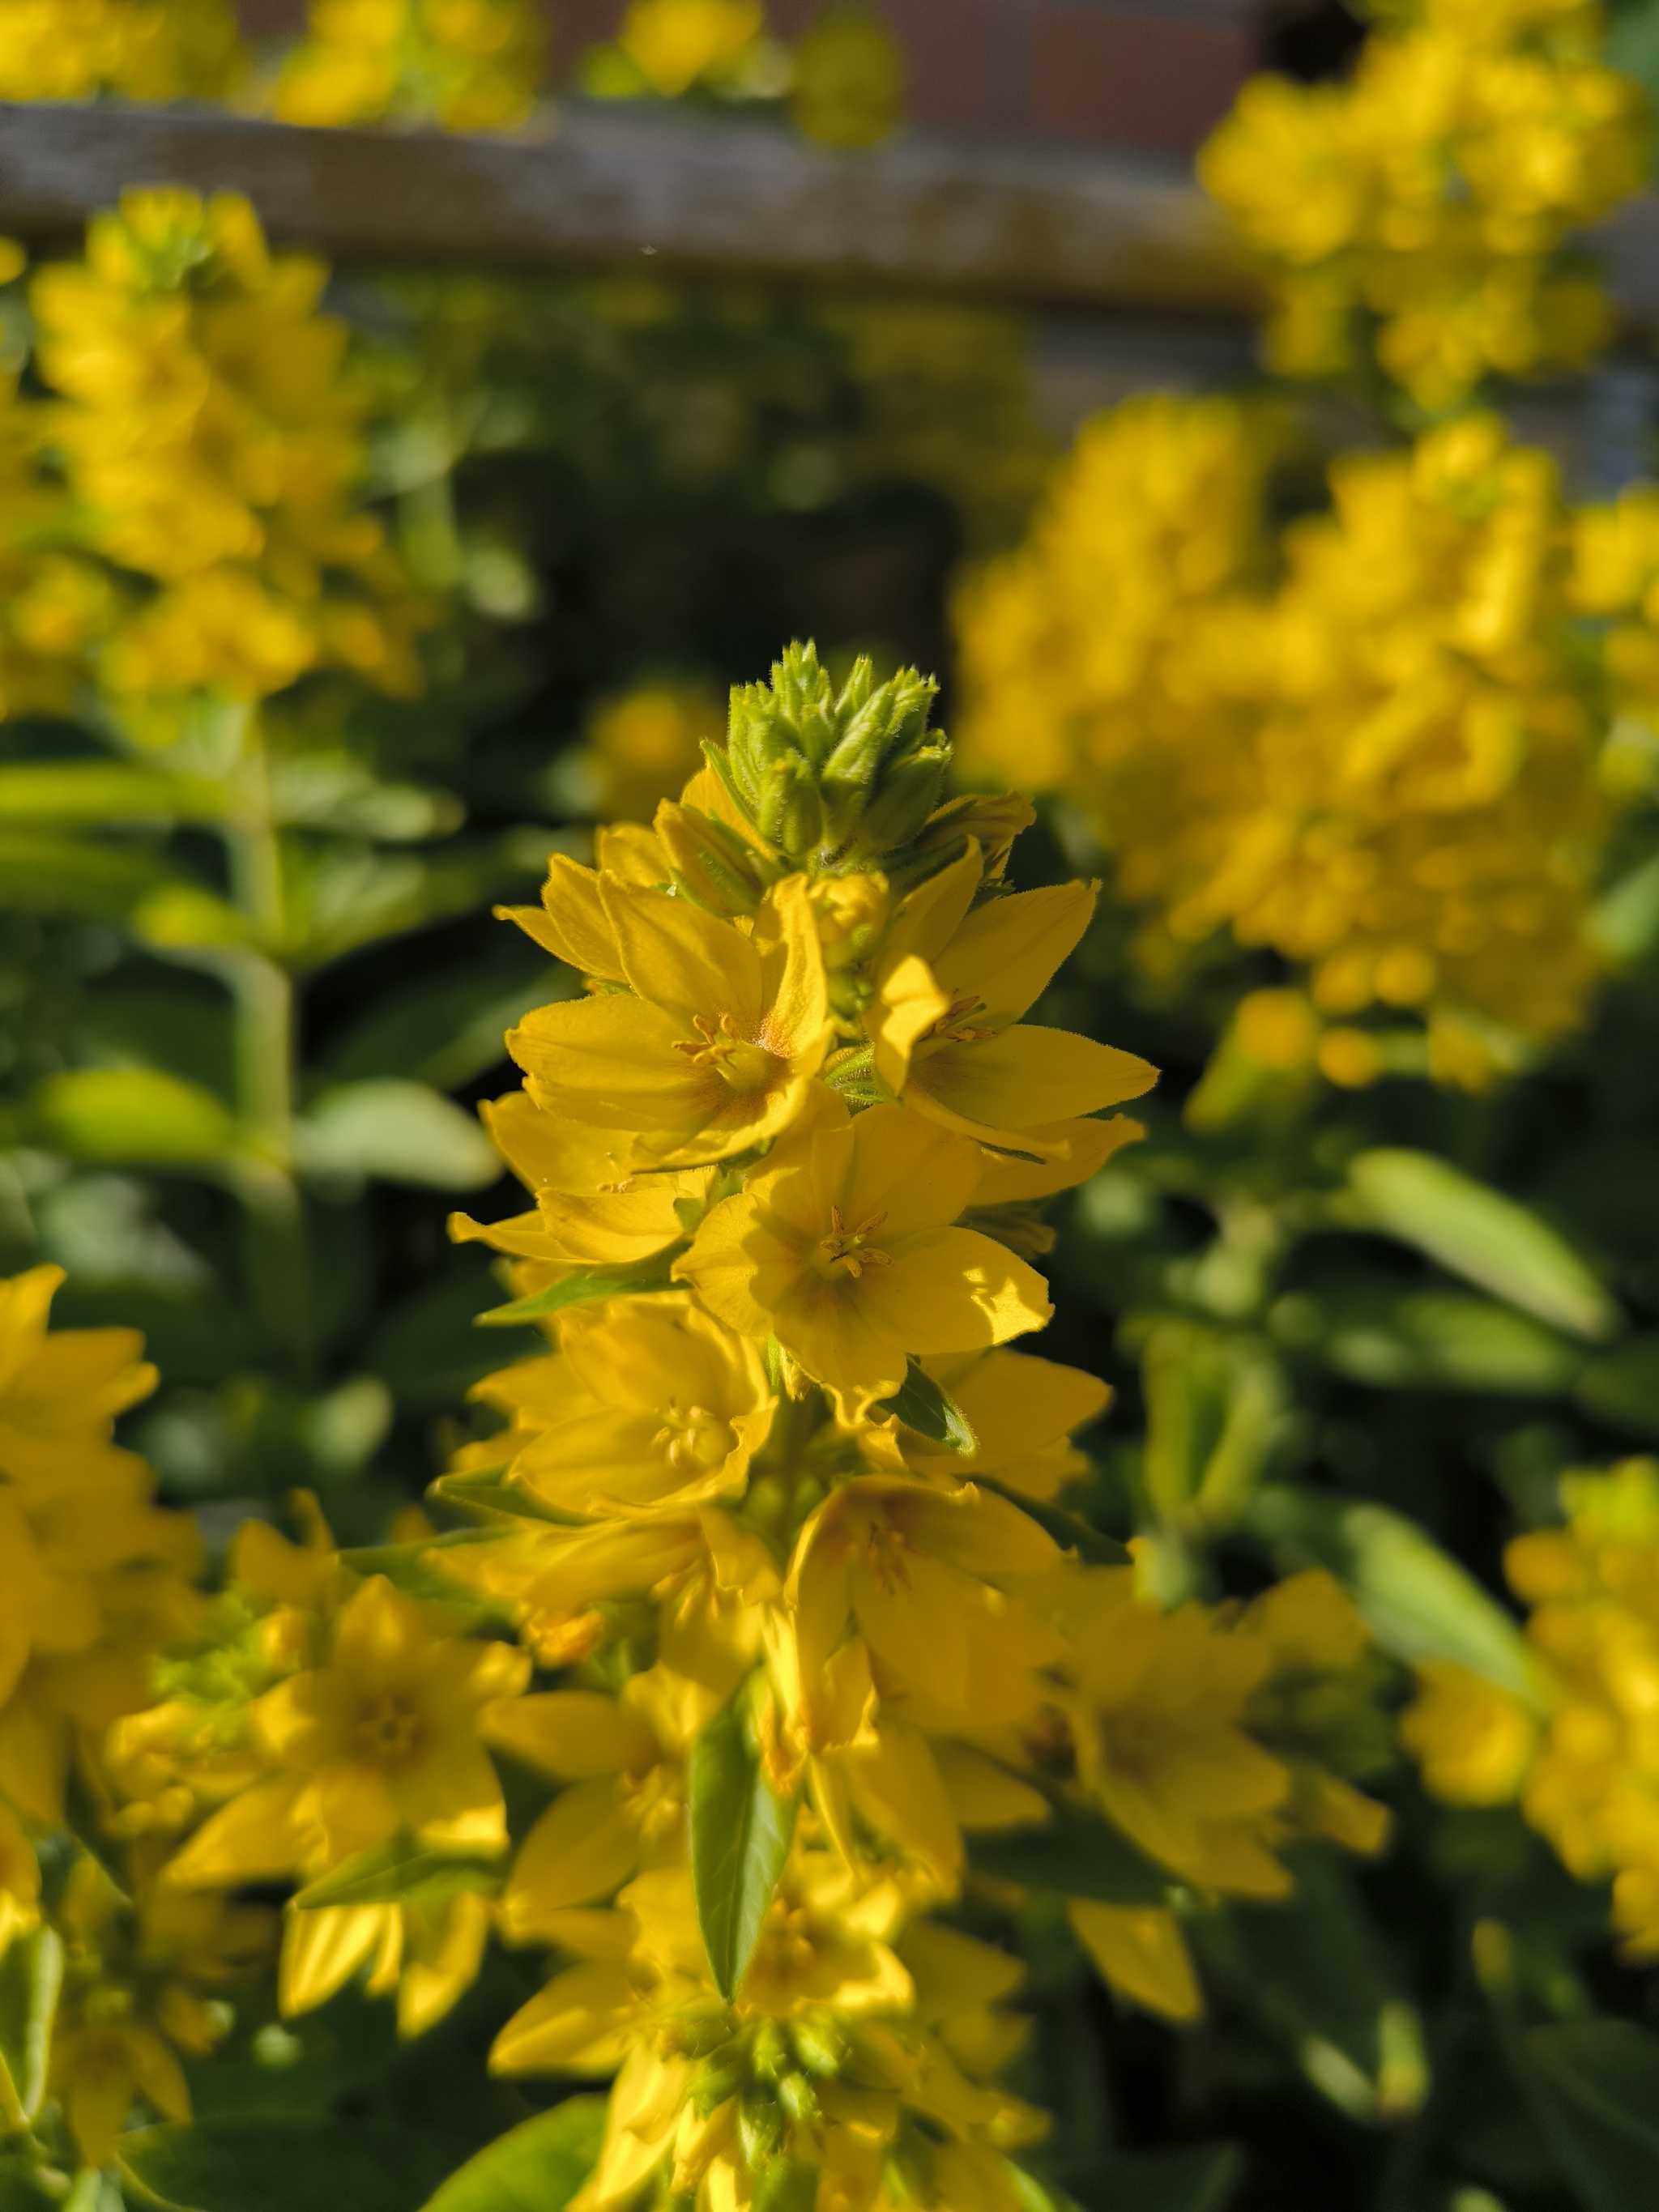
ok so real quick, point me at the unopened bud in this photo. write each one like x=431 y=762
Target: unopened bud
x=761 y=2127
x=787 y=2184
x=769 y=2052
x=710 y=863
x=909 y=793
x=821 y=2044
x=798 y=2097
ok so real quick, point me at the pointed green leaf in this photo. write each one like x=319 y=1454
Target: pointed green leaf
x=1418 y=1601
x=582 y=1287
x=31 y=1975
x=134 y=1116
x=1069 y=1530
x=921 y=1405
x=1480 y=1234
x=400 y=1872
x=1594 y=2088
x=740 y=1835
x=536 y=2168
x=105 y=790
x=43 y=874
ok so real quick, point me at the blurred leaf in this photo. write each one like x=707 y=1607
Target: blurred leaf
x=1478 y=1233
x=536 y=2168
x=740 y=1831
x=1594 y=2092
x=1624 y=1387
x=1213 y=1408
x=62 y=875
x=134 y=1115
x=446 y=1033
x=1417 y=1601
x=349 y=2165
x=181 y=1024
x=427 y=1351
x=31 y=1976
x=333 y=791
x=1315 y=1972
x=97 y=792
x=400 y=1872
x=183 y=917
x=399 y=1133
x=1444 y=1340
x=923 y=1404
x=1075 y=1855
x=1196 y=2178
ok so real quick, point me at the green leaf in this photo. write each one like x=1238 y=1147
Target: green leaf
x=1069 y=1530
x=1594 y=2089
x=1417 y=1601
x=401 y=1872
x=1478 y=1233
x=1196 y=2178
x=1624 y=1387
x=399 y=1132
x=1214 y=1406
x=921 y=1405
x=31 y=1975
x=582 y=1287
x=740 y=1835
x=349 y=2165
x=449 y=1031
x=1076 y=1855
x=492 y=1499
x=134 y=1116
x=94 y=791
x=537 y=2166
x=1444 y=1340
x=41 y=874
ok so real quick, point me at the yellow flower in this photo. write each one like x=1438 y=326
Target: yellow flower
x=840 y=1247
x=1474 y=1740
x=657 y=1409
x=1158 y=1718
x=673 y=42
x=914 y=1573
x=380 y=1740
x=92 y=1575
x=73 y=49
x=465 y=64
x=1022 y=1412
x=954 y=983
x=715 y=1046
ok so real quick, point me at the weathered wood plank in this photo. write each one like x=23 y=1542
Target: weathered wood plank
x=1048 y=224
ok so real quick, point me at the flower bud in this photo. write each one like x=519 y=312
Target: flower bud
x=909 y=793
x=711 y=865
x=761 y=2128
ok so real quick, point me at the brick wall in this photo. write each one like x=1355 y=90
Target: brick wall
x=1149 y=73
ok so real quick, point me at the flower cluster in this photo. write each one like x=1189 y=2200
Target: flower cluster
x=1581 y=1756
x=208 y=450
x=759 y=1588
x=1371 y=748
x=465 y=64
x=1427 y=199
x=139 y=49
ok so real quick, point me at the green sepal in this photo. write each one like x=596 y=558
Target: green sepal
x=921 y=1405
x=582 y=1286
x=401 y=1872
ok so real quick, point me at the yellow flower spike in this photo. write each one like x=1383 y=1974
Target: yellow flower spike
x=92 y=1575
x=714 y=1051
x=915 y=1569
x=841 y=1248
x=977 y=1068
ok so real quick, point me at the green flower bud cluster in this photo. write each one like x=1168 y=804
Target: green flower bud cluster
x=825 y=777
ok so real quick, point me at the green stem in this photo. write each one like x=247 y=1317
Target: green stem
x=263 y=997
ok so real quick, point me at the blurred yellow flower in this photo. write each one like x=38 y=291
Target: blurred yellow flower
x=139 y=49
x=465 y=64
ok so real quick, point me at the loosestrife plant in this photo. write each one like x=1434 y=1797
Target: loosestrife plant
x=755 y=1639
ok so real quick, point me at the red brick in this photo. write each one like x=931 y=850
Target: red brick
x=1140 y=80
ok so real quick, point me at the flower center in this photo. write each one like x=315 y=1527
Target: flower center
x=849 y=1248
x=741 y=1066
x=949 y=1028
x=692 y=1439
x=389 y=1731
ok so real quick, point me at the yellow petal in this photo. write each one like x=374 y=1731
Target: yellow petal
x=324 y=1948
x=1026 y=1077
x=683 y=960
x=1141 y=1950
x=1074 y=1150
x=910 y=1003
x=573 y=1733
x=583 y=1847
x=576 y=2024
x=546 y=1153
x=1005 y=953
